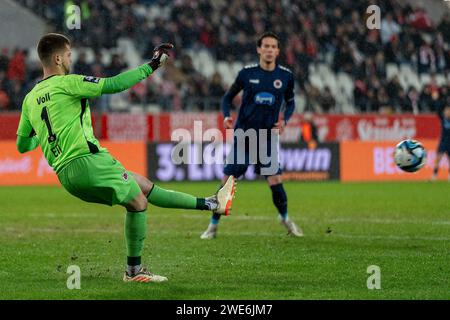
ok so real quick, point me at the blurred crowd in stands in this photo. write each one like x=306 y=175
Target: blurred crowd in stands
x=311 y=32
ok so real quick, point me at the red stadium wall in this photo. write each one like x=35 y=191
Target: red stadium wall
x=364 y=151
x=159 y=127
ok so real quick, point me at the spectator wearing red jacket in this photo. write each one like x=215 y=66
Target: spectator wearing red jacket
x=16 y=66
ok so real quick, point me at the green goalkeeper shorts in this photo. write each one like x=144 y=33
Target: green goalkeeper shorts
x=99 y=178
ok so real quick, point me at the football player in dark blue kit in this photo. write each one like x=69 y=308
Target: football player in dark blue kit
x=444 y=143
x=266 y=86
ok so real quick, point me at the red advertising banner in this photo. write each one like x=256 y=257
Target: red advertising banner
x=31 y=168
x=8 y=125
x=370 y=127
x=126 y=126
x=186 y=125
x=160 y=127
x=373 y=127
x=374 y=161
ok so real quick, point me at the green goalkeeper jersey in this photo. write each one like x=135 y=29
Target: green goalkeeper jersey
x=57 y=111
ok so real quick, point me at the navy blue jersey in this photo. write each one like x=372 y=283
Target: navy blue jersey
x=263 y=96
x=445 y=127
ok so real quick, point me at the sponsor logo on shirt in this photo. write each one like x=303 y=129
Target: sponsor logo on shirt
x=91 y=79
x=277 y=84
x=254 y=81
x=264 y=98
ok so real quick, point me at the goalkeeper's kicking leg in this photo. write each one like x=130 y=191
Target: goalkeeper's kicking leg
x=220 y=203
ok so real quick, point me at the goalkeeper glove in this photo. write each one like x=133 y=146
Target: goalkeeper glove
x=160 y=55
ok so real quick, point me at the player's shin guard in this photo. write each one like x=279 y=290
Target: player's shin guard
x=279 y=198
x=173 y=199
x=135 y=232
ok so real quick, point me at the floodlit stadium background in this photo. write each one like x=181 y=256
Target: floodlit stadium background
x=366 y=89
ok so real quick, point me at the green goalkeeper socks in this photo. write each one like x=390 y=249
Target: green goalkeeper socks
x=173 y=199
x=135 y=231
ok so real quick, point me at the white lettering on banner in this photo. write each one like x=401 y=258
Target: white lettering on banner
x=122 y=126
x=9 y=165
x=211 y=165
x=43 y=167
x=306 y=159
x=370 y=131
x=383 y=161
x=431 y=158
x=343 y=130
x=166 y=168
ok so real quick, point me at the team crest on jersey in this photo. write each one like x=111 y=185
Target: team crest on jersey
x=91 y=79
x=125 y=176
x=277 y=84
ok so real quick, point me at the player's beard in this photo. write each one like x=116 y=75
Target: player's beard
x=66 y=69
x=268 y=61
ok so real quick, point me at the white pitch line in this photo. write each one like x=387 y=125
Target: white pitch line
x=238 y=234
x=25 y=230
x=274 y=217
x=388 y=221
x=389 y=237
x=324 y=220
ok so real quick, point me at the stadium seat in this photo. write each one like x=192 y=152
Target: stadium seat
x=236 y=67
x=345 y=83
x=331 y=81
x=441 y=80
x=300 y=103
x=316 y=81
x=425 y=79
x=391 y=70
x=226 y=71
x=206 y=63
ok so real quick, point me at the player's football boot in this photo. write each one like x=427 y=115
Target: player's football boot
x=292 y=228
x=224 y=197
x=210 y=233
x=143 y=275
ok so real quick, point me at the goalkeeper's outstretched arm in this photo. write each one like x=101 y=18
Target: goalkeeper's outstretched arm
x=90 y=87
x=126 y=80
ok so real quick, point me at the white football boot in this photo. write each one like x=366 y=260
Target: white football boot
x=224 y=197
x=292 y=228
x=143 y=275
x=210 y=233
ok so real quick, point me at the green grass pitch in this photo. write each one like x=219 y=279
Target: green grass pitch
x=404 y=228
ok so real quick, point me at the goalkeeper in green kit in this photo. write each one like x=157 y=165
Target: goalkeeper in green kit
x=56 y=116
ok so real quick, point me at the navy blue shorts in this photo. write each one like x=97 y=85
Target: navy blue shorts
x=243 y=155
x=444 y=147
